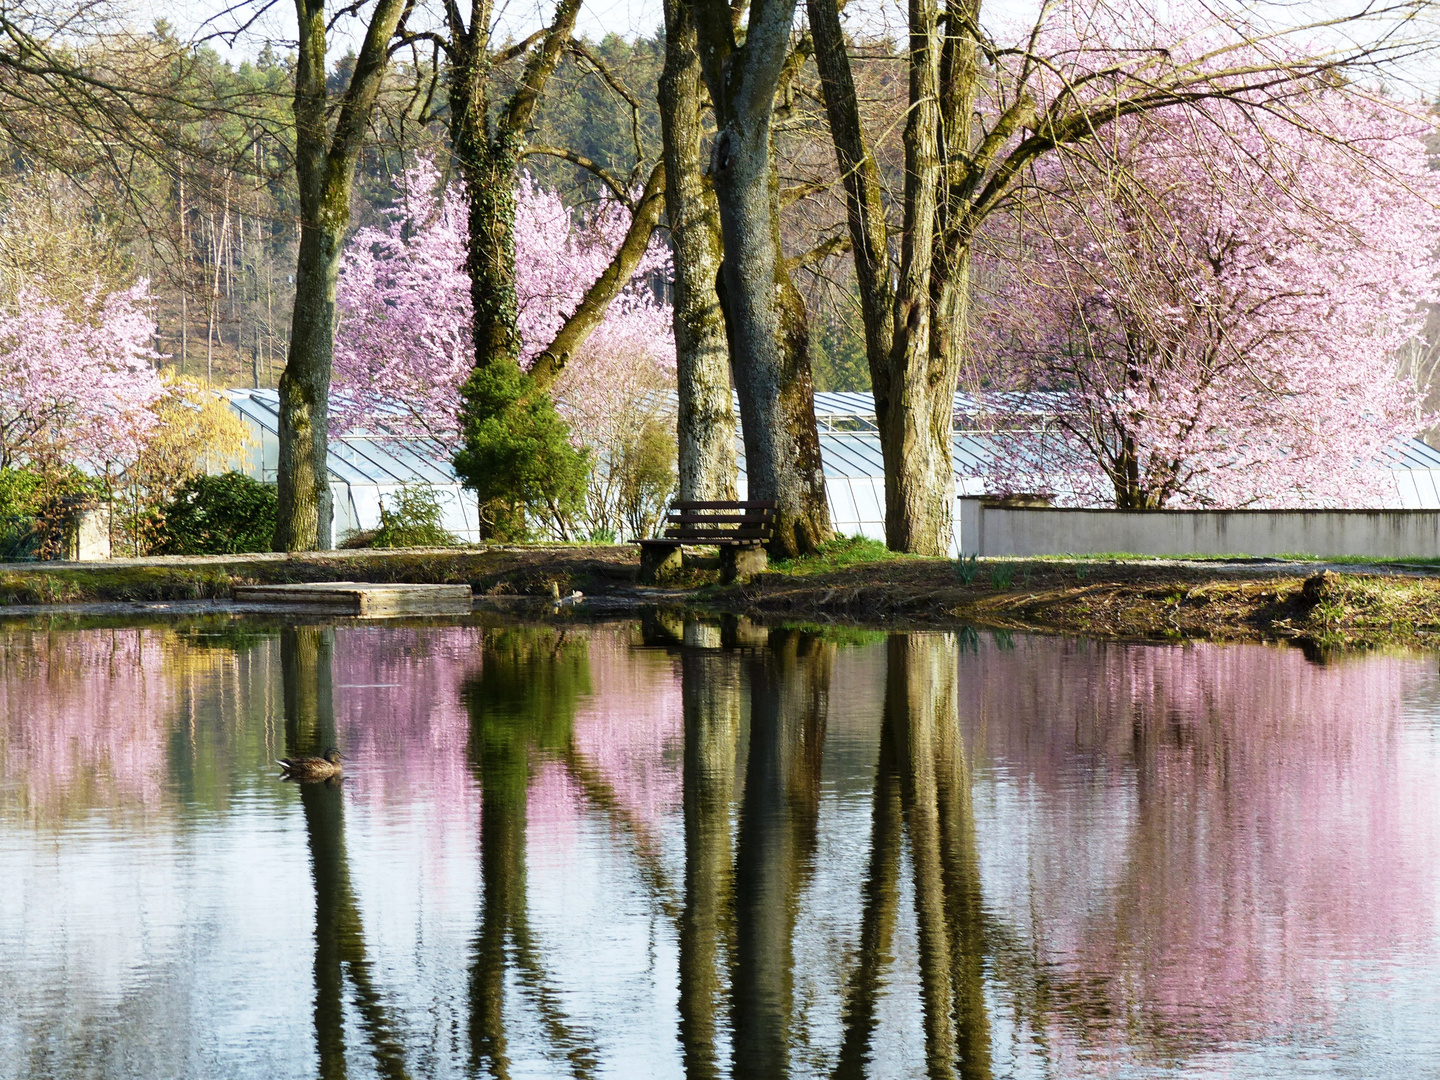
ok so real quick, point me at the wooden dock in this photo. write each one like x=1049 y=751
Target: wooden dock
x=362 y=599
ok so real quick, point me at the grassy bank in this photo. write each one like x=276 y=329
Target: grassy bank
x=1113 y=598
x=848 y=581
x=495 y=570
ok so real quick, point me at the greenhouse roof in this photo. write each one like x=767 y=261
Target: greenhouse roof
x=372 y=456
x=376 y=456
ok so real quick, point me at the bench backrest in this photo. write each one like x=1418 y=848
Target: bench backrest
x=721 y=522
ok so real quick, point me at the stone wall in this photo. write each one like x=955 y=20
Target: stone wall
x=988 y=529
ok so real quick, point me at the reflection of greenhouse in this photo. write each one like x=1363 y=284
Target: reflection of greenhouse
x=366 y=466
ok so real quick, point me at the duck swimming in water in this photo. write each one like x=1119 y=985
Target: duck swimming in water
x=311 y=768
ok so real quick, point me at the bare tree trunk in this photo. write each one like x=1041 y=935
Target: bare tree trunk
x=764 y=315
x=184 y=277
x=305 y=513
x=325 y=167
x=706 y=415
x=916 y=433
x=915 y=321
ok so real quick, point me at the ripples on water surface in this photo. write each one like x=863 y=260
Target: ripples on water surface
x=677 y=850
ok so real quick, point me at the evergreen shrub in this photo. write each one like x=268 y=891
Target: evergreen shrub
x=219 y=515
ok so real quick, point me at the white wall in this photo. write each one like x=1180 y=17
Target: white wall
x=1379 y=534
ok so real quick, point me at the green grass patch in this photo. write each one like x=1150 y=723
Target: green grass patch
x=1347 y=609
x=1361 y=560
x=838 y=554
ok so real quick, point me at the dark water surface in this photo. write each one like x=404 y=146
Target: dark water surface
x=688 y=850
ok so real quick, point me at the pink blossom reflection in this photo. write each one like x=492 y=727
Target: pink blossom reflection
x=1208 y=829
x=84 y=717
x=629 y=731
x=399 y=709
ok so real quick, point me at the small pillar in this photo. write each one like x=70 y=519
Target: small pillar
x=659 y=561
x=741 y=563
x=87 y=535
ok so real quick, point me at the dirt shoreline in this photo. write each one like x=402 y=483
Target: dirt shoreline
x=1143 y=599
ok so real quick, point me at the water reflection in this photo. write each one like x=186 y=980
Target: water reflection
x=789 y=692
x=1222 y=845
x=712 y=712
x=711 y=850
x=522 y=706
x=306 y=660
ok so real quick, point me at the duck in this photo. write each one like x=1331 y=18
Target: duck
x=324 y=767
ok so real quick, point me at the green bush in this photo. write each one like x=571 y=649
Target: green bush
x=219 y=515
x=36 y=506
x=517 y=454
x=414 y=521
x=647 y=478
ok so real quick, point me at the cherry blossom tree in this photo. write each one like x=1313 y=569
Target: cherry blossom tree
x=76 y=381
x=1211 y=311
x=404 y=345
x=991 y=99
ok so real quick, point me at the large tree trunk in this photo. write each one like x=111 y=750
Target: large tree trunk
x=488 y=150
x=764 y=318
x=917 y=438
x=305 y=510
x=325 y=171
x=489 y=175
x=914 y=319
x=706 y=418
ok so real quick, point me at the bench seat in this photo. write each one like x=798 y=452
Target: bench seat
x=740 y=529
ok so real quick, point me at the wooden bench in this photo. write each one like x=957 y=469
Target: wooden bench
x=739 y=529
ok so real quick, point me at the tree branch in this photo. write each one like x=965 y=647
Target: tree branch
x=610 y=180
x=549 y=365
x=819 y=253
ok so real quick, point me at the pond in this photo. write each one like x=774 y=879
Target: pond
x=681 y=849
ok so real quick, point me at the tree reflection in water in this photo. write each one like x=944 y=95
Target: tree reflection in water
x=746 y=904
x=1213 y=834
x=922 y=793
x=306 y=657
x=522 y=705
x=1196 y=859
x=711 y=689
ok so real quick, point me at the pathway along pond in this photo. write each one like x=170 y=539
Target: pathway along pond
x=676 y=850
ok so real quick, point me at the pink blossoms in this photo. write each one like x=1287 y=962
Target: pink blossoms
x=76 y=387
x=1209 y=313
x=404 y=345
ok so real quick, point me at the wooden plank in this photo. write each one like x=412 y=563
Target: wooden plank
x=364 y=599
x=697 y=537
x=718 y=519
x=742 y=530
x=754 y=504
x=733 y=541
